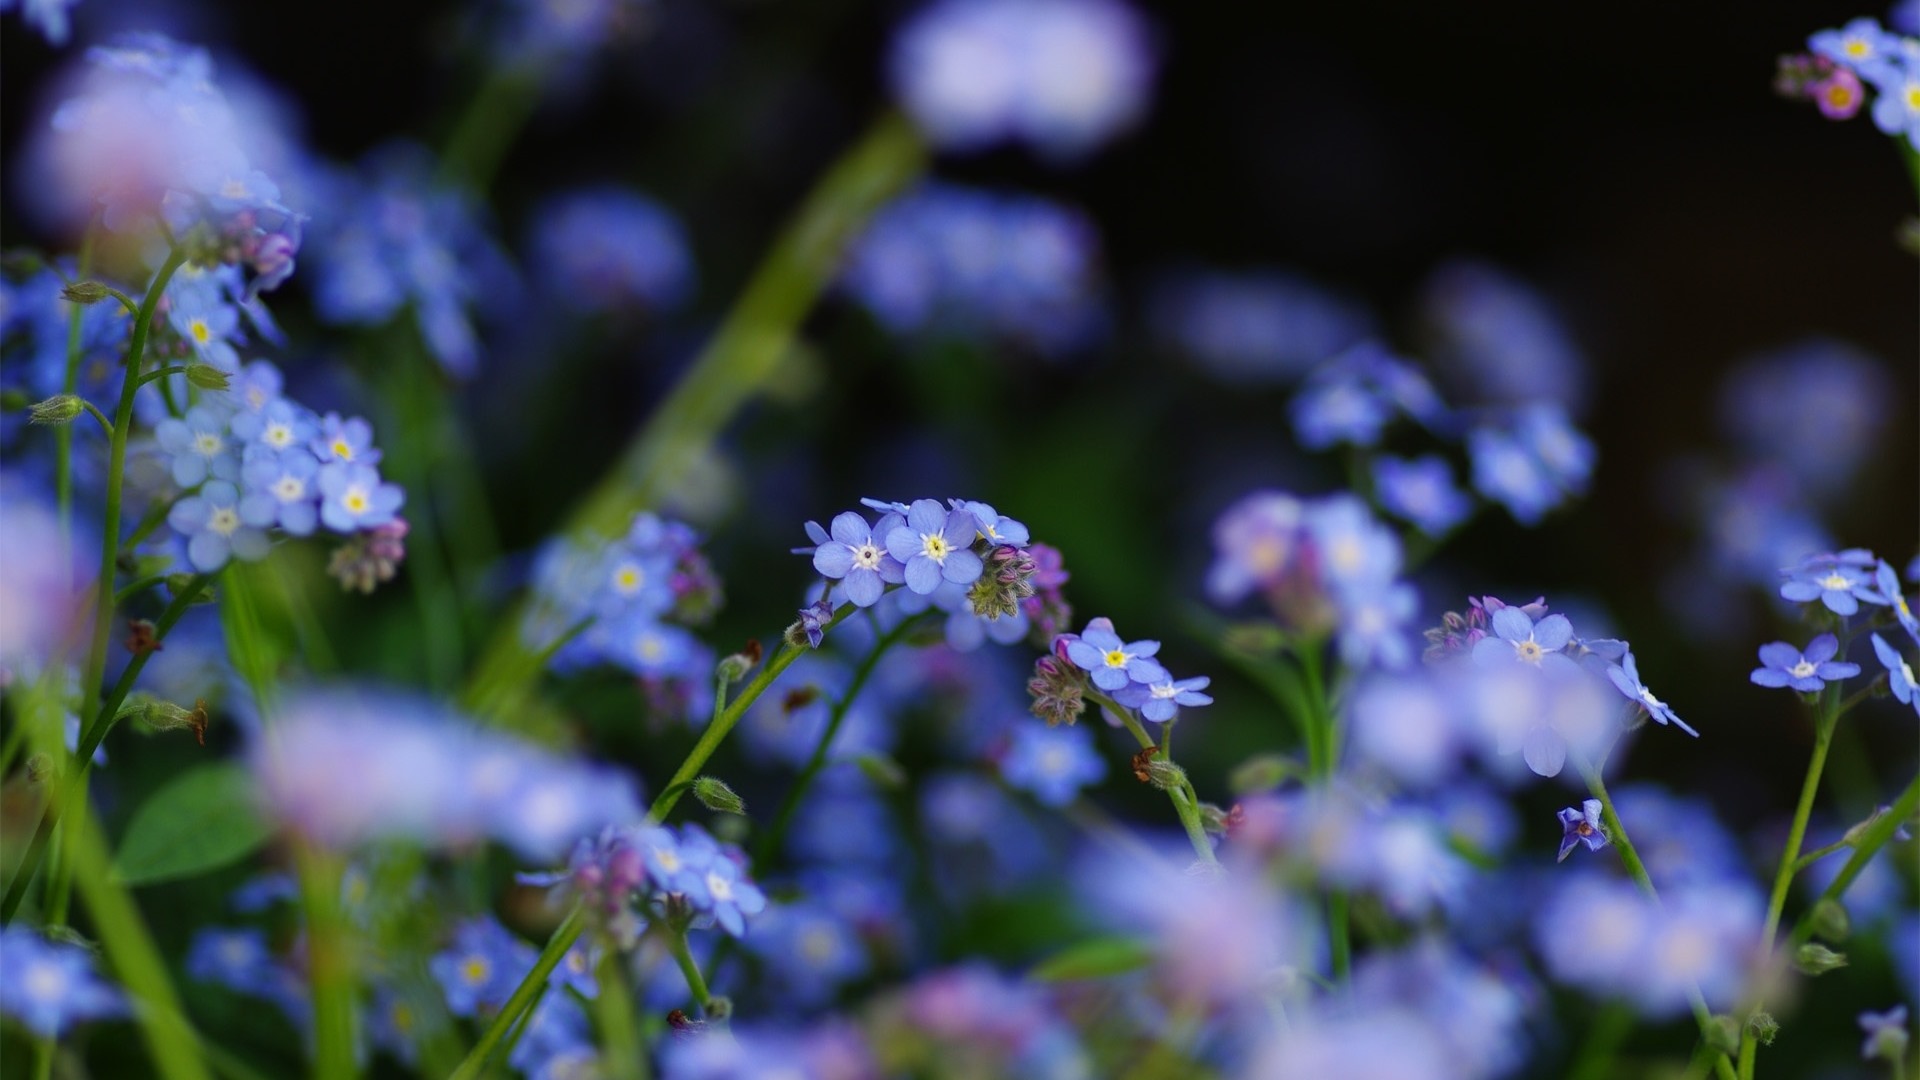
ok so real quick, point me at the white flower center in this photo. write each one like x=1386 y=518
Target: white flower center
x=278 y=436
x=1528 y=650
x=720 y=888
x=290 y=489
x=1164 y=691
x=1802 y=669
x=46 y=982
x=223 y=521
x=934 y=546
x=1653 y=704
x=669 y=860
x=867 y=556
x=1835 y=580
x=207 y=444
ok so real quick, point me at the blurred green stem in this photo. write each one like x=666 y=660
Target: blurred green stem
x=63 y=435
x=492 y=120
x=1604 y=1034
x=621 y=1055
x=746 y=350
x=524 y=995
x=1630 y=857
x=329 y=963
x=1186 y=804
x=682 y=955
x=1865 y=847
x=1823 y=726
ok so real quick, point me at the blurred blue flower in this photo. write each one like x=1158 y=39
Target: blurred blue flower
x=1421 y=491
x=807 y=952
x=1256 y=542
x=282 y=490
x=1806 y=671
x=198 y=444
x=50 y=17
x=1265 y=327
x=348 y=441
x=1501 y=337
x=1052 y=763
x=353 y=497
x=1886 y=1034
x=605 y=249
x=1060 y=75
x=1814 y=409
x=51 y=986
x=1888 y=584
x=482 y=966
x=211 y=524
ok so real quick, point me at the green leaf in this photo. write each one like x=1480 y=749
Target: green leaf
x=203 y=819
x=1097 y=958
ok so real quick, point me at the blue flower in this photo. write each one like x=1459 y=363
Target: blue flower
x=1838 y=580
x=1625 y=677
x=1114 y=663
x=1052 y=763
x=935 y=545
x=354 y=497
x=50 y=986
x=1371 y=617
x=50 y=17
x=199 y=446
x=1500 y=337
x=814 y=619
x=1888 y=583
x=278 y=425
x=1581 y=826
x=1518 y=638
x=1355 y=550
x=482 y=967
x=1886 y=1034
x=728 y=896
x=1565 y=453
x=214 y=529
x=1264 y=327
x=608 y=248
x=808 y=951
x=1161 y=701
x=1860 y=45
x=670 y=868
x=1507 y=472
x=1808 y=671
x=236 y=959
x=998 y=531
x=1336 y=406
x=281 y=490
x=1256 y=542
x=857 y=556
x=1900 y=678
x=1421 y=491
x=349 y=441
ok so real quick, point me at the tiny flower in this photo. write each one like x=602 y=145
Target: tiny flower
x=480 y=970
x=1052 y=763
x=1114 y=663
x=349 y=440
x=1625 y=677
x=214 y=528
x=1581 y=826
x=857 y=556
x=1421 y=491
x=1807 y=672
x=278 y=426
x=935 y=545
x=51 y=985
x=1886 y=1034
x=730 y=897
x=1160 y=701
x=281 y=490
x=355 y=498
x=1839 y=95
x=1518 y=638
x=1888 y=583
x=198 y=445
x=1839 y=581
x=1861 y=45
x=997 y=530
x=1900 y=678
x=814 y=619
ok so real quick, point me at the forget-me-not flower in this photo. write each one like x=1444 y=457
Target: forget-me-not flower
x=1807 y=672
x=1838 y=580
x=215 y=529
x=354 y=497
x=1160 y=701
x=1625 y=677
x=1581 y=825
x=935 y=544
x=1114 y=663
x=198 y=446
x=1517 y=637
x=1900 y=678
x=857 y=556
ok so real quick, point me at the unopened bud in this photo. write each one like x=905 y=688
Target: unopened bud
x=166 y=716
x=58 y=409
x=39 y=768
x=1830 y=920
x=716 y=796
x=1262 y=773
x=1165 y=775
x=1213 y=819
x=1763 y=1027
x=1723 y=1034
x=735 y=666
x=207 y=377
x=1814 y=958
x=84 y=292
x=882 y=770
x=14 y=401
x=1855 y=834
x=719 y=1008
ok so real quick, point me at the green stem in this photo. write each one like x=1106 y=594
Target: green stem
x=1604 y=1035
x=1630 y=857
x=1790 y=856
x=63 y=437
x=742 y=356
x=1865 y=847
x=72 y=785
x=523 y=995
x=1186 y=808
x=677 y=941
x=769 y=842
x=329 y=964
x=621 y=1055
x=486 y=129
x=718 y=730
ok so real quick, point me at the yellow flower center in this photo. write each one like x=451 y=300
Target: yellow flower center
x=342 y=449
x=475 y=970
x=1116 y=658
x=1528 y=650
x=200 y=331
x=355 y=500
x=934 y=546
x=628 y=579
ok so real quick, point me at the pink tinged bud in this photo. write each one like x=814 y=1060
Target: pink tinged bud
x=1839 y=95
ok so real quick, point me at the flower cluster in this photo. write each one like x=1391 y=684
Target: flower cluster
x=387 y=239
x=1321 y=566
x=1843 y=62
x=152 y=142
x=635 y=875
x=346 y=767
x=951 y=260
x=1061 y=76
x=628 y=603
x=256 y=460
x=963 y=558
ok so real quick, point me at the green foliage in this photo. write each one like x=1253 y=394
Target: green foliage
x=201 y=820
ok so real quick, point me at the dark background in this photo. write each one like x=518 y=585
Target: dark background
x=1631 y=161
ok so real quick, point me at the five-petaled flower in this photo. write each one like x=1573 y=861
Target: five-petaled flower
x=1517 y=637
x=1625 y=677
x=1807 y=671
x=936 y=544
x=1115 y=663
x=1159 y=701
x=857 y=557
x=1840 y=581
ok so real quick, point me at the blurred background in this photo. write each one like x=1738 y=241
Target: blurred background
x=1626 y=179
